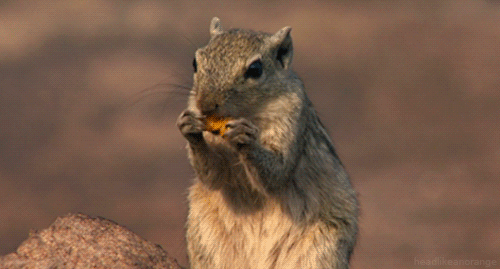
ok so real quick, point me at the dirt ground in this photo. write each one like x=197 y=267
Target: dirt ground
x=410 y=91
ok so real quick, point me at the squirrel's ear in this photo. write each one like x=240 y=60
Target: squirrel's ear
x=215 y=27
x=281 y=43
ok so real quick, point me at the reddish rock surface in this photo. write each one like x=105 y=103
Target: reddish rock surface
x=80 y=241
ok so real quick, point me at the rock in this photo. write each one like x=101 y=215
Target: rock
x=80 y=241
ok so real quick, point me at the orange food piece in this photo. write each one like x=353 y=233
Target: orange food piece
x=216 y=125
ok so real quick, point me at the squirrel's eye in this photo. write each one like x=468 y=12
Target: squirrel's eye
x=254 y=70
x=195 y=65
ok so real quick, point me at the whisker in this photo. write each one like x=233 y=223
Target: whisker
x=190 y=42
x=163 y=89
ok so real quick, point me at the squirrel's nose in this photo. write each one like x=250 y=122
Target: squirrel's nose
x=208 y=108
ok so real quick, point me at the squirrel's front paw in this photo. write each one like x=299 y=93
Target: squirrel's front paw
x=191 y=126
x=241 y=133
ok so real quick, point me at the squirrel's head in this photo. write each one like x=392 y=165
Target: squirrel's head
x=240 y=70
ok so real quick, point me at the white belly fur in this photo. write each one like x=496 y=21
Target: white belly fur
x=264 y=239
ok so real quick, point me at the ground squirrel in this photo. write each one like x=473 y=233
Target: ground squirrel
x=270 y=190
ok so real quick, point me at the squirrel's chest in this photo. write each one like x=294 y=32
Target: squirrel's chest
x=218 y=238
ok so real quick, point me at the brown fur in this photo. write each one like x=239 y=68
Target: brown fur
x=271 y=192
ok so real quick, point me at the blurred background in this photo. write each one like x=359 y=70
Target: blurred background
x=409 y=90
